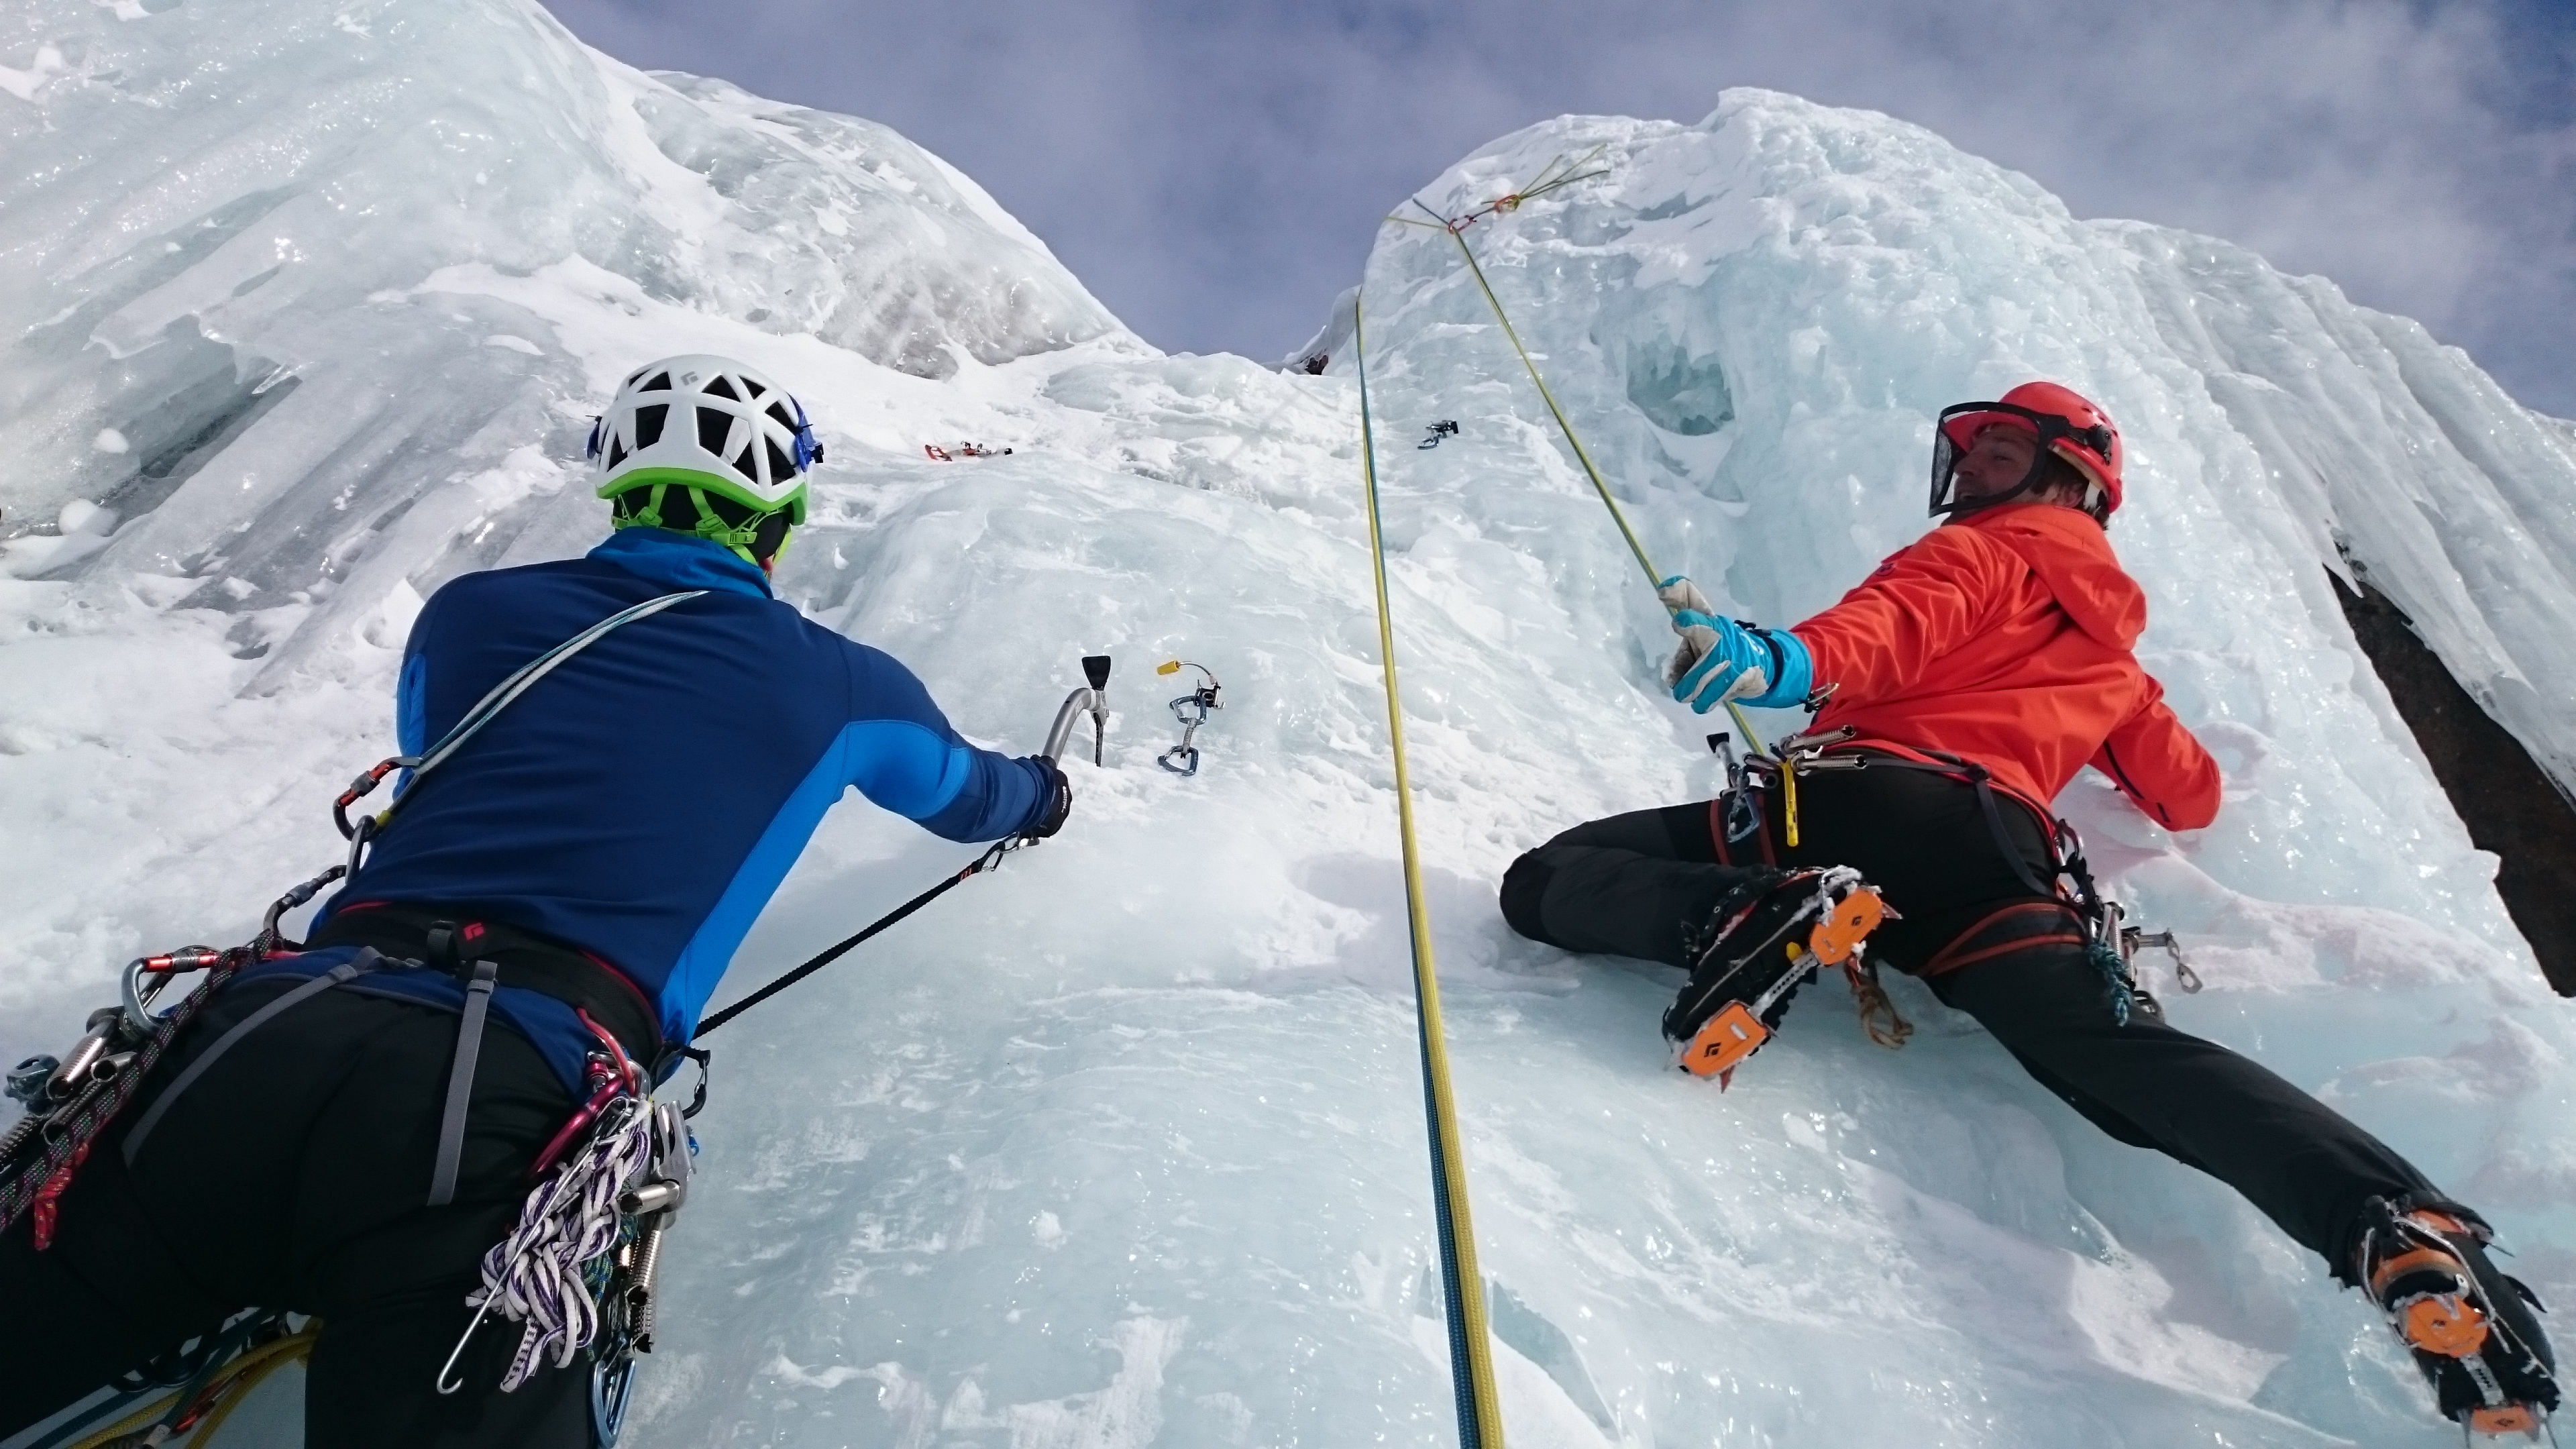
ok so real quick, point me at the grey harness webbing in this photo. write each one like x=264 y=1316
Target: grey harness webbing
x=367 y=959
x=460 y=1083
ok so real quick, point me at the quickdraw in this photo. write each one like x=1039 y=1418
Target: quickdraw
x=1191 y=710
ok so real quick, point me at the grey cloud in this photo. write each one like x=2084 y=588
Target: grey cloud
x=1215 y=173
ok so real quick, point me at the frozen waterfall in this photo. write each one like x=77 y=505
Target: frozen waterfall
x=306 y=308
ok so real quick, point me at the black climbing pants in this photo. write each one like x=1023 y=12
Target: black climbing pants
x=293 y=1175
x=1641 y=884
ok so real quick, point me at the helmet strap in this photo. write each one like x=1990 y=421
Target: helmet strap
x=679 y=508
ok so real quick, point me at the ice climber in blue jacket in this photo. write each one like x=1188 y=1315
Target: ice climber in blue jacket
x=605 y=842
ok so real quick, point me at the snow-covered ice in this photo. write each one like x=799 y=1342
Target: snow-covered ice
x=306 y=309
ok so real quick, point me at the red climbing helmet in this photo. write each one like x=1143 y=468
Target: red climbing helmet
x=2068 y=426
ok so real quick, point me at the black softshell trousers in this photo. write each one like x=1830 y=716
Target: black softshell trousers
x=294 y=1175
x=1640 y=884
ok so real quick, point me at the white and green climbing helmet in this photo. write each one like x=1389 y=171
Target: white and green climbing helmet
x=704 y=445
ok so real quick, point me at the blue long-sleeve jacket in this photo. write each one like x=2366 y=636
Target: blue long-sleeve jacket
x=644 y=799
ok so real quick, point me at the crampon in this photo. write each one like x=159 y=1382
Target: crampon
x=2472 y=1329
x=1766 y=939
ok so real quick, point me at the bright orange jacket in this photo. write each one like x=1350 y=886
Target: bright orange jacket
x=2004 y=637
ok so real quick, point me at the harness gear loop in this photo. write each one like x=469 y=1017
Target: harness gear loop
x=1471 y=1368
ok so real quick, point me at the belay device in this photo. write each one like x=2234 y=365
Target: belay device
x=1191 y=710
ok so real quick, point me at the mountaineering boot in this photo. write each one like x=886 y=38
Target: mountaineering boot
x=2470 y=1327
x=1767 y=938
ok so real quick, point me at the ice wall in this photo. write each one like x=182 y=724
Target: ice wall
x=190 y=246
x=1122 y=1146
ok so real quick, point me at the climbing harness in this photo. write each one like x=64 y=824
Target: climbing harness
x=72 y=1100
x=1445 y=428
x=580 y=1269
x=2067 y=889
x=1191 y=710
x=1471 y=1366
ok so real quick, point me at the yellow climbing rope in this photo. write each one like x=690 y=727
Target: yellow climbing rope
x=1456 y=227
x=232 y=1384
x=1549 y=179
x=1471 y=1363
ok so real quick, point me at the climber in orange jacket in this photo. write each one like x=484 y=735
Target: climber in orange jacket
x=1958 y=689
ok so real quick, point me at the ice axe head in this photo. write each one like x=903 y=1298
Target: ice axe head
x=1095 y=667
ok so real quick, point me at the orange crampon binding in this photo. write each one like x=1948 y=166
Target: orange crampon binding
x=1770 y=939
x=2471 y=1329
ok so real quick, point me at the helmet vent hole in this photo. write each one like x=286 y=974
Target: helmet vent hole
x=661 y=383
x=779 y=415
x=719 y=387
x=648 y=424
x=742 y=464
x=714 y=429
x=780 y=465
x=755 y=389
x=616 y=452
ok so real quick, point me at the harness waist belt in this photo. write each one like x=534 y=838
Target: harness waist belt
x=526 y=960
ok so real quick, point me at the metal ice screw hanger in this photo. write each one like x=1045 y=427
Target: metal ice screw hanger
x=1191 y=710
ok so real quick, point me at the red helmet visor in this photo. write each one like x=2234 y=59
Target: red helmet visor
x=1956 y=430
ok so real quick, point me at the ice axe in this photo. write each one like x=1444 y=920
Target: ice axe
x=1092 y=700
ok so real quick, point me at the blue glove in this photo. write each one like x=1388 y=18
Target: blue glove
x=1720 y=659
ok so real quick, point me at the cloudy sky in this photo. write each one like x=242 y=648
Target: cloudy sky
x=1215 y=171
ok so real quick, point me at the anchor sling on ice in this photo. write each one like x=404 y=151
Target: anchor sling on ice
x=1957 y=690
x=445 y=1091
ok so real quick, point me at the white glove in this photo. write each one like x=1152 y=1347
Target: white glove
x=1680 y=596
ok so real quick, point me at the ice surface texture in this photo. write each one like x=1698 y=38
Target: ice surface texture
x=1122 y=1145
x=220 y=211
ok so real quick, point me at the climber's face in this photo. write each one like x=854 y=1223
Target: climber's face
x=1997 y=462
